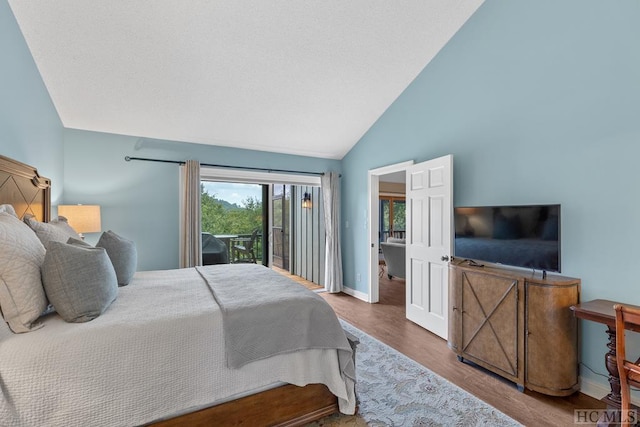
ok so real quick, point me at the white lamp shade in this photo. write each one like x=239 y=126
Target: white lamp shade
x=82 y=218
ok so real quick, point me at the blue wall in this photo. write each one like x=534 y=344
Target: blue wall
x=30 y=129
x=539 y=102
x=140 y=200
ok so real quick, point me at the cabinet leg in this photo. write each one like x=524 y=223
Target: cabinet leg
x=460 y=358
x=520 y=388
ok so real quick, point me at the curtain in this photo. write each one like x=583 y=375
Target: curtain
x=330 y=184
x=190 y=229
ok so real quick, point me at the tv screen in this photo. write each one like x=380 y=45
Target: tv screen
x=519 y=236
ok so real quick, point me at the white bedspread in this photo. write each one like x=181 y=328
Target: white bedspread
x=157 y=351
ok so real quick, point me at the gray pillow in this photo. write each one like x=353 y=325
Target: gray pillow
x=74 y=241
x=79 y=280
x=123 y=254
x=22 y=298
x=58 y=230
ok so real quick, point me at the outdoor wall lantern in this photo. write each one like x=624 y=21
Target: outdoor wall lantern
x=306 y=201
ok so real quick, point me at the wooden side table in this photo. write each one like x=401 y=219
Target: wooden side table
x=601 y=311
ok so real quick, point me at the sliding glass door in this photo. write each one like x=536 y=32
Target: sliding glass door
x=280 y=214
x=292 y=234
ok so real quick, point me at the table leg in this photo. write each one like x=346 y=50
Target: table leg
x=612 y=398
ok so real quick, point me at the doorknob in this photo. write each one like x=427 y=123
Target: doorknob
x=445 y=258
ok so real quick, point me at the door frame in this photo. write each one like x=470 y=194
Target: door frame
x=374 y=220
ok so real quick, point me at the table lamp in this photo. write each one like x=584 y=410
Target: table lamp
x=82 y=218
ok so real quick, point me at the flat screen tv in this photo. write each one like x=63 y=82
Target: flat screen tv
x=519 y=236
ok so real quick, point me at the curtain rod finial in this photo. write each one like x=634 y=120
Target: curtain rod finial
x=127 y=158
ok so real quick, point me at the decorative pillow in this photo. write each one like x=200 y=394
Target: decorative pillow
x=22 y=298
x=8 y=209
x=58 y=230
x=74 y=241
x=122 y=253
x=79 y=280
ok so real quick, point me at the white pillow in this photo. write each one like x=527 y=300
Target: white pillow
x=8 y=209
x=22 y=297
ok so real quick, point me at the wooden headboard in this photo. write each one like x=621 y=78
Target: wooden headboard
x=22 y=187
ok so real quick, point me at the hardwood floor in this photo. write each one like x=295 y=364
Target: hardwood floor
x=307 y=284
x=386 y=321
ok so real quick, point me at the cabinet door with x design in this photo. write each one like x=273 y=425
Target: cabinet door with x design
x=516 y=325
x=489 y=312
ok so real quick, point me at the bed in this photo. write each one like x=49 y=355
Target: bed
x=162 y=353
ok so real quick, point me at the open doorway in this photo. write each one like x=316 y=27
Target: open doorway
x=291 y=236
x=429 y=196
x=233 y=222
x=380 y=182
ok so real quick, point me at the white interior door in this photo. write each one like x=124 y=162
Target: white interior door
x=429 y=221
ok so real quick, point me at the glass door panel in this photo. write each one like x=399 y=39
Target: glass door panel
x=280 y=229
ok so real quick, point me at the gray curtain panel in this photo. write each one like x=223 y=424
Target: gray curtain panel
x=190 y=237
x=330 y=183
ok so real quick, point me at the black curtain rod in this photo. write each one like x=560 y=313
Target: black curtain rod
x=182 y=162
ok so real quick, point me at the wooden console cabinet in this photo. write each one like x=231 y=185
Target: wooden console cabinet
x=516 y=324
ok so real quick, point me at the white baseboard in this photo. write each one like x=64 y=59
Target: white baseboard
x=594 y=389
x=356 y=294
x=599 y=390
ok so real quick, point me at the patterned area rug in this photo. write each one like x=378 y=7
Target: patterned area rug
x=394 y=390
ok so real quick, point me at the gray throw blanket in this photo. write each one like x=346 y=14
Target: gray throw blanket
x=265 y=314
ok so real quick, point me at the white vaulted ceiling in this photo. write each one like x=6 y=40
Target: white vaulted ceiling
x=298 y=77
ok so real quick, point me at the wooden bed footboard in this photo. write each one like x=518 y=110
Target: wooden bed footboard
x=287 y=405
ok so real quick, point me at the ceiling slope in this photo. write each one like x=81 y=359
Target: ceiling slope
x=297 y=77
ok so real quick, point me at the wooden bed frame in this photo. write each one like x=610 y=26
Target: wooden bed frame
x=22 y=186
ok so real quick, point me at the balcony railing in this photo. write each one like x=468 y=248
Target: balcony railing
x=400 y=234
x=232 y=239
x=242 y=239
